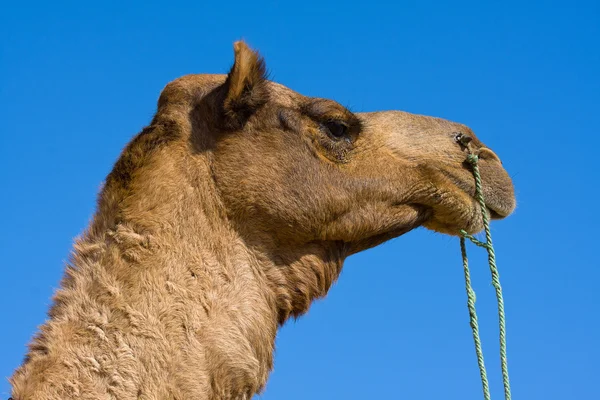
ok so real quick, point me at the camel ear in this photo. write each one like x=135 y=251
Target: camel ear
x=245 y=87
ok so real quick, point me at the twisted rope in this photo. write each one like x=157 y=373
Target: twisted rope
x=488 y=245
x=473 y=321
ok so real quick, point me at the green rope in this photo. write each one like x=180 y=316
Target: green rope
x=474 y=325
x=488 y=245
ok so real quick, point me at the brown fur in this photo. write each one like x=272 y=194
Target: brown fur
x=230 y=213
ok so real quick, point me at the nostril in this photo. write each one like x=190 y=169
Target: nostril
x=486 y=154
x=463 y=139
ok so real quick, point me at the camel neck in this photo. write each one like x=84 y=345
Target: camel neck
x=163 y=299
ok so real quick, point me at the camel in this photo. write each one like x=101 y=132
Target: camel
x=228 y=215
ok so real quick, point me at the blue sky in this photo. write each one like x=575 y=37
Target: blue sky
x=79 y=80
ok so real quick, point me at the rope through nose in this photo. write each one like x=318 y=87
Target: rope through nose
x=488 y=245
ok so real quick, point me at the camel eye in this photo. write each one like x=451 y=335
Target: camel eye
x=336 y=129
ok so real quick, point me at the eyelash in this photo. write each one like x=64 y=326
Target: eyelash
x=336 y=129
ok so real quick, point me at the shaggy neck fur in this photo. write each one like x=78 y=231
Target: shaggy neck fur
x=163 y=287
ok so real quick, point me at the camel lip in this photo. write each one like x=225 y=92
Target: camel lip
x=495 y=214
x=496 y=210
x=501 y=204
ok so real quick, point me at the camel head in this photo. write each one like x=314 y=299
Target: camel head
x=297 y=169
x=229 y=214
x=304 y=182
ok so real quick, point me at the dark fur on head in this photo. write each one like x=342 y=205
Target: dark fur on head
x=245 y=89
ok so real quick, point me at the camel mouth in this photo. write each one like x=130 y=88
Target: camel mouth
x=498 y=211
x=498 y=203
x=494 y=214
x=499 y=199
x=459 y=208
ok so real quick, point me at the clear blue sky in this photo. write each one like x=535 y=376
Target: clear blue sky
x=79 y=80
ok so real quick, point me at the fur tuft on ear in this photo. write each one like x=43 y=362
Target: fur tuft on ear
x=245 y=87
